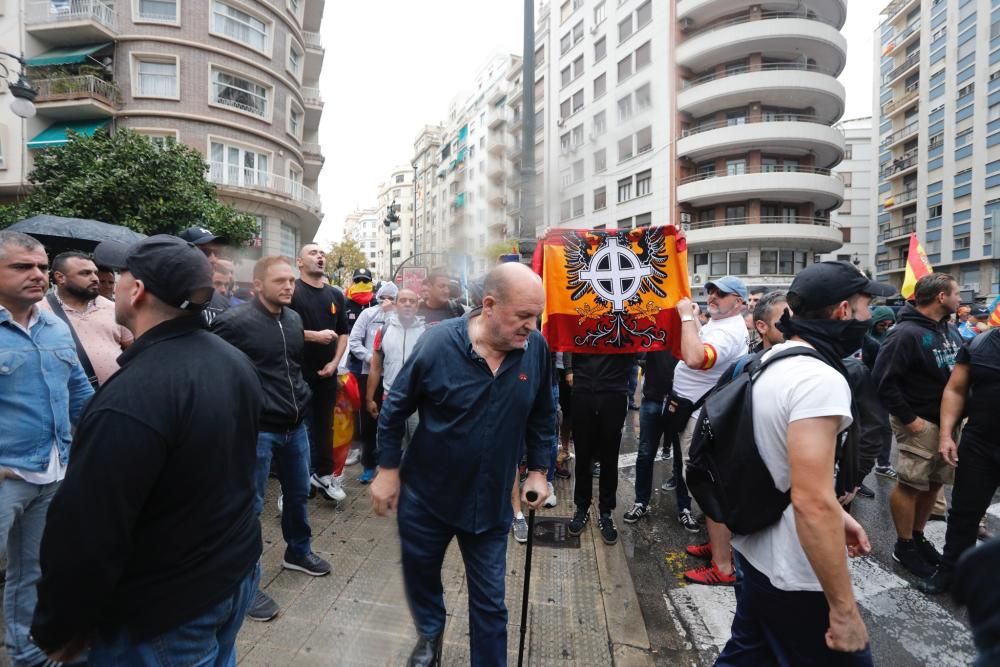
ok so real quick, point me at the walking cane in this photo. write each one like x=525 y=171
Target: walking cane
x=532 y=496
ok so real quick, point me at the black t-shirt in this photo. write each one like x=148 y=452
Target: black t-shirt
x=983 y=357
x=320 y=308
x=658 y=382
x=434 y=315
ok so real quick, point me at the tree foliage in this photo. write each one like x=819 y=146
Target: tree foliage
x=126 y=179
x=348 y=254
x=494 y=250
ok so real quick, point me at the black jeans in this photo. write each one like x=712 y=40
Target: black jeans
x=976 y=480
x=598 y=418
x=324 y=397
x=367 y=425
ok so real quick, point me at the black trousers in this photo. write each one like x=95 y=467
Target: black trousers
x=324 y=397
x=367 y=426
x=598 y=418
x=976 y=480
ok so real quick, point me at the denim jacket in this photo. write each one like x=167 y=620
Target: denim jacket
x=43 y=391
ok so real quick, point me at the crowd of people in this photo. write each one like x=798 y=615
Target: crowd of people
x=126 y=480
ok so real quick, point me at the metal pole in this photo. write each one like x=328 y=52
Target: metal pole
x=531 y=496
x=413 y=208
x=528 y=228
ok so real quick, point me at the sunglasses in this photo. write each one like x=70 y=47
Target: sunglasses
x=362 y=280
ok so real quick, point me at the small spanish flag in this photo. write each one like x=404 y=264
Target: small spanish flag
x=917 y=267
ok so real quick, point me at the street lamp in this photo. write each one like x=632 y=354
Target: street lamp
x=23 y=104
x=391 y=223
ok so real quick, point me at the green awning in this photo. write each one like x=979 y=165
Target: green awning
x=65 y=56
x=57 y=134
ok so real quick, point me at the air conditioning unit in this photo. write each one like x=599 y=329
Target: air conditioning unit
x=698 y=279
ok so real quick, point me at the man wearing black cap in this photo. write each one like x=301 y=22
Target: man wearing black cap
x=212 y=246
x=797 y=605
x=152 y=541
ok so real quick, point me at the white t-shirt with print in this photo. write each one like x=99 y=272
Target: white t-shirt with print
x=728 y=340
x=791 y=390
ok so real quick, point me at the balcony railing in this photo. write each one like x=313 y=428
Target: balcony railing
x=77 y=87
x=912 y=93
x=766 y=118
x=312 y=96
x=901 y=134
x=312 y=40
x=899 y=198
x=900 y=230
x=763 y=169
x=890 y=264
x=901 y=36
x=763 y=220
x=62 y=11
x=896 y=72
x=901 y=163
x=751 y=18
x=745 y=69
x=312 y=148
x=237 y=176
x=894 y=8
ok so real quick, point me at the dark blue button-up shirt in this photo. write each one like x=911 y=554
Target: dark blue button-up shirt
x=462 y=458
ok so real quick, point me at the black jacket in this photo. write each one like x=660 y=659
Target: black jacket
x=659 y=375
x=875 y=431
x=599 y=372
x=155 y=522
x=275 y=345
x=914 y=364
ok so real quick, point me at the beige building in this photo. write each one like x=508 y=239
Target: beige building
x=235 y=79
x=363 y=227
x=396 y=243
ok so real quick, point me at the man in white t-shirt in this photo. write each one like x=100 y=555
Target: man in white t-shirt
x=796 y=604
x=706 y=352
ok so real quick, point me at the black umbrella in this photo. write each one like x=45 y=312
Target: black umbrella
x=58 y=233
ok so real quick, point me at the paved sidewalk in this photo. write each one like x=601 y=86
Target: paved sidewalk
x=583 y=610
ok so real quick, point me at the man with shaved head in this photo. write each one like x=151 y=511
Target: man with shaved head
x=482 y=385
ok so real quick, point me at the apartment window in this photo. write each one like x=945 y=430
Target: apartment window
x=236 y=165
x=578 y=135
x=577 y=33
x=934 y=211
x=577 y=206
x=625 y=108
x=566 y=42
x=848 y=178
x=845 y=208
x=624 y=189
x=600 y=13
x=158 y=10
x=719 y=263
x=644 y=14
x=565 y=210
x=625 y=68
x=600 y=86
x=578 y=171
x=965 y=90
x=625 y=148
x=736 y=167
x=295 y=115
x=577 y=100
x=963 y=138
x=289 y=240
x=578 y=67
x=962 y=242
x=564 y=108
x=156 y=78
x=400 y=178
x=565 y=76
x=644 y=140
x=643 y=97
x=643 y=56
x=600 y=160
x=736 y=213
x=565 y=11
x=769 y=262
x=644 y=220
x=239 y=26
x=600 y=49
x=600 y=124
x=643 y=183
x=244 y=95
x=625 y=29
x=600 y=198
x=849 y=152
x=295 y=56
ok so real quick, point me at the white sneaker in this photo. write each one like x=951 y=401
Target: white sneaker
x=337 y=488
x=353 y=457
x=551 y=500
x=281 y=504
x=325 y=484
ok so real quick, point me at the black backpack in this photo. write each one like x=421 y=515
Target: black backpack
x=725 y=473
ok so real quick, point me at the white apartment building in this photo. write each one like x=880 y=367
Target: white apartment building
x=937 y=128
x=364 y=227
x=854 y=217
x=395 y=244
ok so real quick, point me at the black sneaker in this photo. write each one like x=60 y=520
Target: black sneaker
x=937 y=583
x=865 y=492
x=579 y=521
x=608 y=531
x=926 y=549
x=595 y=469
x=263 y=608
x=637 y=512
x=311 y=564
x=688 y=522
x=907 y=555
x=886 y=471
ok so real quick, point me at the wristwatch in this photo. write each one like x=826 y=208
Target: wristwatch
x=687 y=318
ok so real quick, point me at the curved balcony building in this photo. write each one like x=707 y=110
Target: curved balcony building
x=757 y=103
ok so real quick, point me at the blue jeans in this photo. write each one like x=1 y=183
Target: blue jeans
x=551 y=475
x=784 y=628
x=683 y=497
x=209 y=639
x=23 y=507
x=423 y=541
x=651 y=425
x=290 y=451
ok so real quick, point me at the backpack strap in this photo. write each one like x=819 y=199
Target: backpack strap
x=758 y=365
x=81 y=353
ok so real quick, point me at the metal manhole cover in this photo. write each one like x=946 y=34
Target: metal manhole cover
x=552 y=533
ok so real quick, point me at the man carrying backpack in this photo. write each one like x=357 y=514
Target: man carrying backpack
x=797 y=605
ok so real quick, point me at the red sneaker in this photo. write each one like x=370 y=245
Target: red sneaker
x=701 y=550
x=710 y=575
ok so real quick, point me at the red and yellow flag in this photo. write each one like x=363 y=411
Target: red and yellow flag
x=995 y=313
x=613 y=291
x=917 y=267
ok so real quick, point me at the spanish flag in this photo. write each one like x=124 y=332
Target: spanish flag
x=917 y=267
x=613 y=291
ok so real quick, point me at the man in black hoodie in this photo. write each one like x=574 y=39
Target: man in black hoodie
x=911 y=371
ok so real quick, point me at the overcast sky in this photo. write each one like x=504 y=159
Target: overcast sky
x=391 y=67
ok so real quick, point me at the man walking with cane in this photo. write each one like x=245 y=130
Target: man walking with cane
x=482 y=386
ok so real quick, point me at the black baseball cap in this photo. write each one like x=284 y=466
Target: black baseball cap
x=362 y=274
x=826 y=283
x=198 y=235
x=174 y=270
x=980 y=311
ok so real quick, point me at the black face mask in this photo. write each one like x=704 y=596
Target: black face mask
x=834 y=339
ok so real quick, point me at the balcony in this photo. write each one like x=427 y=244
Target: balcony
x=497 y=117
x=788 y=134
x=263 y=187
x=899 y=71
x=794 y=186
x=889 y=265
x=764 y=32
x=693 y=14
x=312 y=40
x=497 y=196
x=903 y=164
x=773 y=84
x=77 y=97
x=313 y=101
x=496 y=144
x=903 y=38
x=894 y=201
x=909 y=97
x=897 y=7
x=71 y=22
x=818 y=234
x=312 y=160
x=314 y=56
x=903 y=231
x=900 y=135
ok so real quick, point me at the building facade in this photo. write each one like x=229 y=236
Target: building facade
x=854 y=217
x=364 y=228
x=937 y=96
x=235 y=79
x=395 y=243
